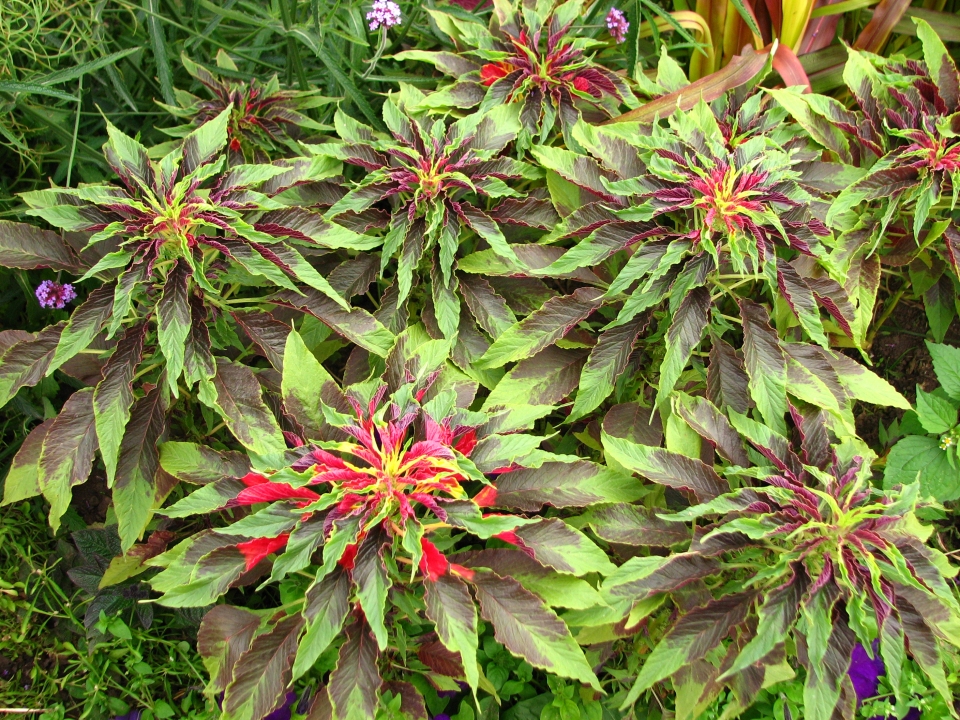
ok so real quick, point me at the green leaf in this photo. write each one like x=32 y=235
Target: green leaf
x=83 y=326
x=541 y=328
x=32 y=88
x=766 y=365
x=357 y=325
x=354 y=685
x=23 y=478
x=304 y=384
x=692 y=637
x=326 y=605
x=66 y=457
x=173 y=322
x=576 y=484
x=919 y=455
x=225 y=633
x=135 y=488
x=937 y=414
x=28 y=247
x=452 y=610
x=557 y=545
x=667 y=468
x=607 y=361
x=159 y=45
x=370 y=577
x=199 y=464
x=946 y=364
x=529 y=629
x=113 y=397
x=684 y=335
x=241 y=406
x=263 y=672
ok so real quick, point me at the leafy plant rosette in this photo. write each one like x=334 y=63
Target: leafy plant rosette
x=530 y=56
x=265 y=121
x=801 y=557
x=902 y=203
x=437 y=181
x=379 y=521
x=697 y=215
x=927 y=437
x=178 y=247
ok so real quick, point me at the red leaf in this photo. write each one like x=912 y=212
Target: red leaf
x=441 y=660
x=270 y=491
x=433 y=563
x=256 y=550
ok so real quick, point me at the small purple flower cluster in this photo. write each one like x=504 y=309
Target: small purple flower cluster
x=384 y=13
x=54 y=295
x=617 y=24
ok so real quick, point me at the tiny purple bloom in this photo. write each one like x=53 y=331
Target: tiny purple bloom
x=617 y=24
x=384 y=13
x=54 y=295
x=441 y=716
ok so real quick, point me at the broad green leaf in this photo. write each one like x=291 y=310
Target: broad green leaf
x=684 y=335
x=135 y=488
x=946 y=364
x=557 y=545
x=263 y=672
x=529 y=629
x=541 y=328
x=225 y=633
x=452 y=610
x=23 y=478
x=667 y=468
x=241 y=406
x=113 y=397
x=173 y=322
x=325 y=609
x=920 y=456
x=354 y=686
x=937 y=414
x=83 y=326
x=66 y=457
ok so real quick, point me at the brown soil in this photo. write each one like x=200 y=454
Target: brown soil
x=900 y=356
x=92 y=499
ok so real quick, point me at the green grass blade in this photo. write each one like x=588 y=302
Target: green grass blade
x=159 y=43
x=11 y=86
x=77 y=71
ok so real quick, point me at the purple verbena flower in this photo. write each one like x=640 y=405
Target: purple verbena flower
x=865 y=675
x=865 y=671
x=285 y=711
x=617 y=24
x=384 y=13
x=54 y=295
